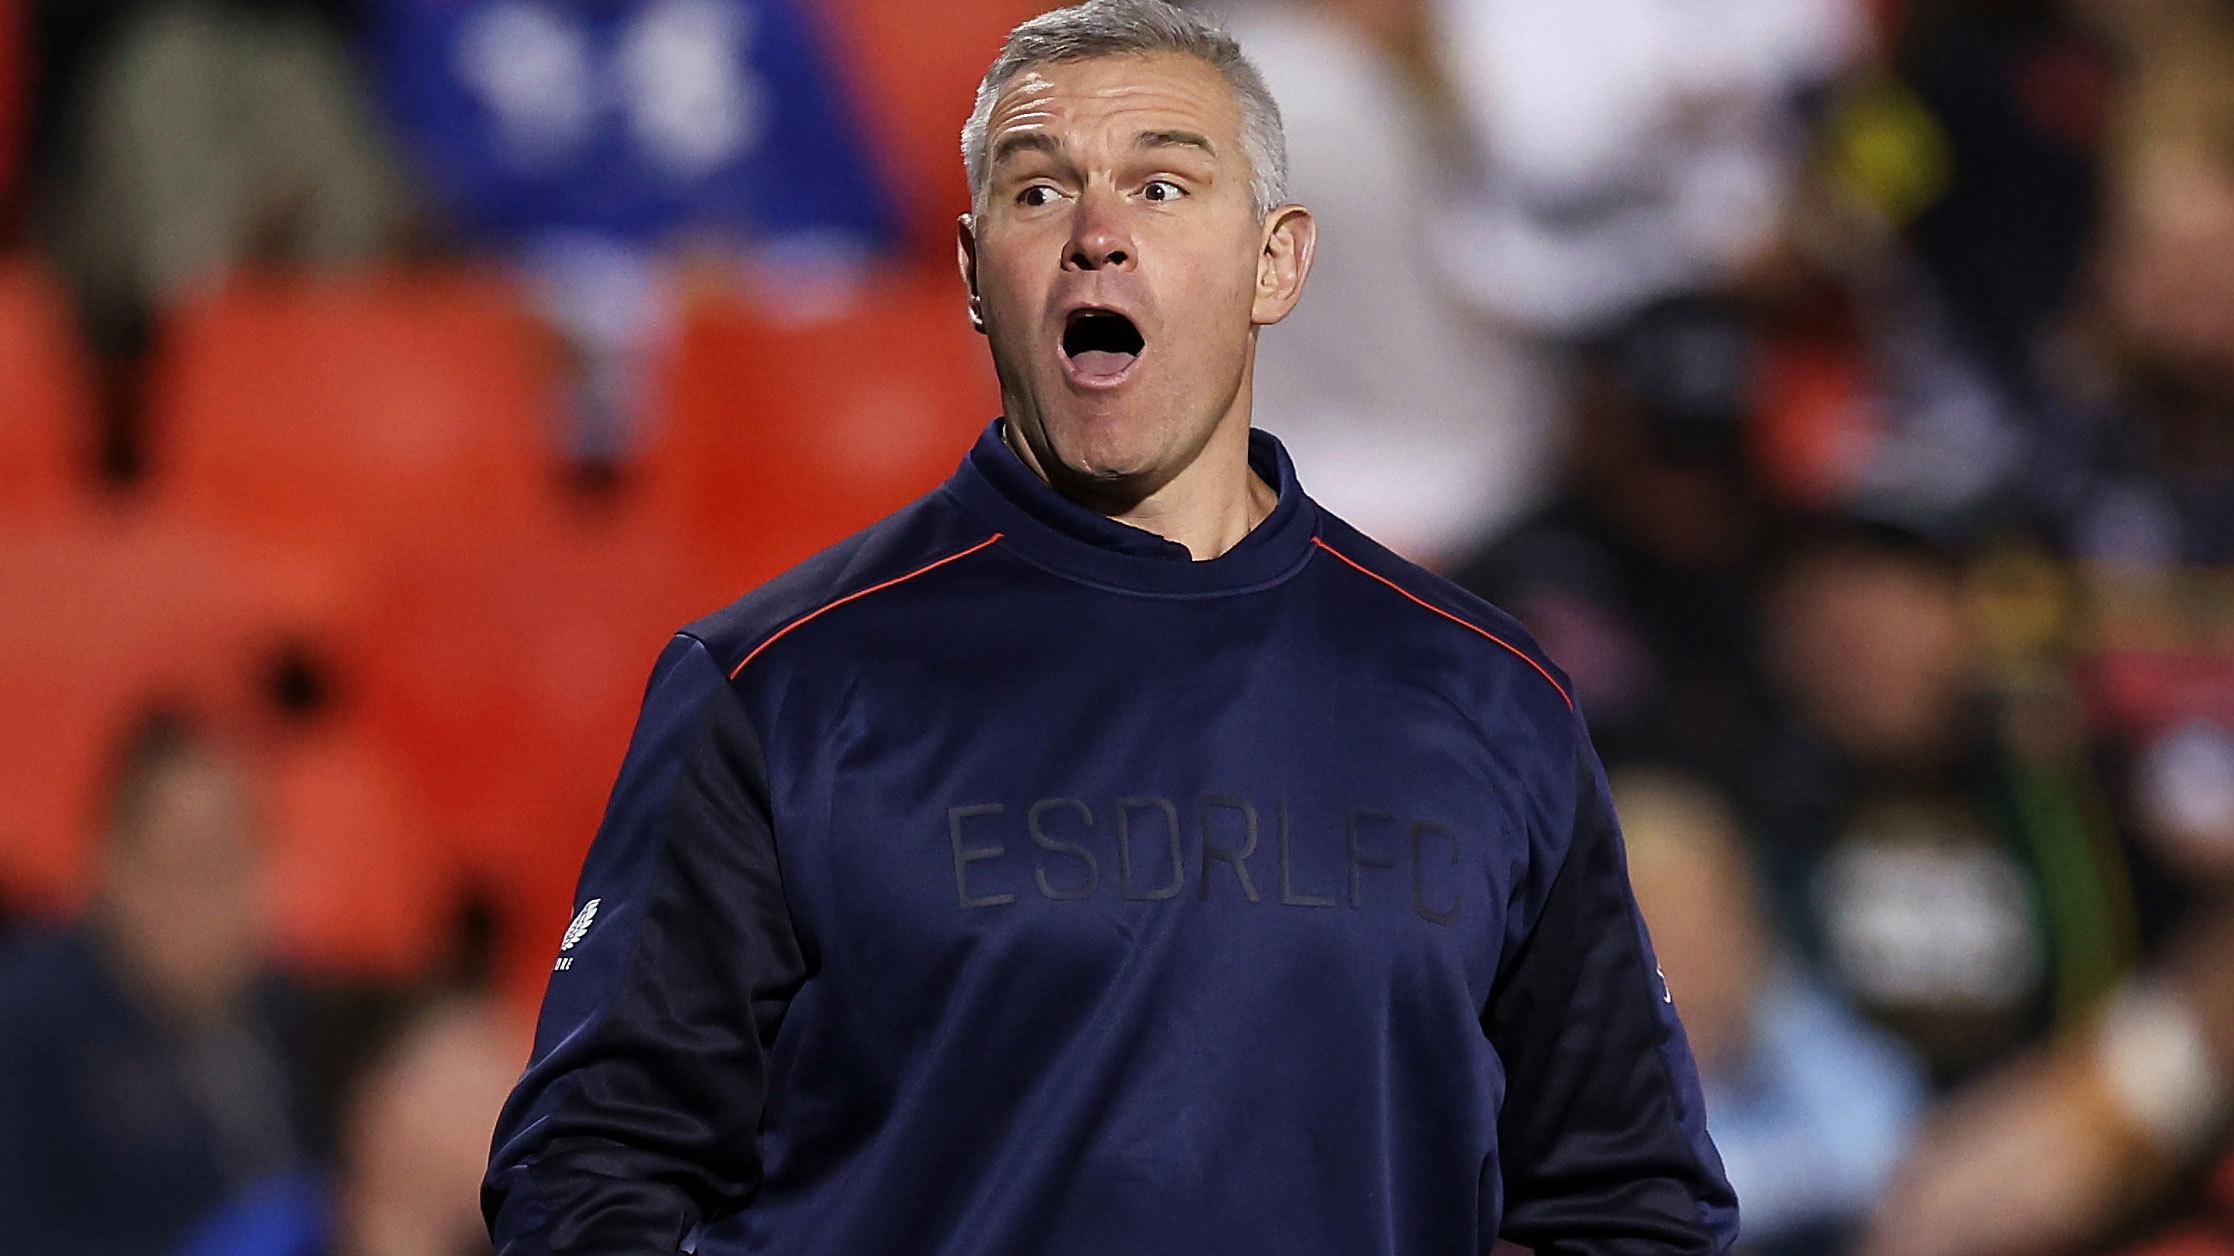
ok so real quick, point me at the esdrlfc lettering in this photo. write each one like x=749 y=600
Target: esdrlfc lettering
x=1069 y=839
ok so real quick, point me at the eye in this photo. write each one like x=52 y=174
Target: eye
x=1162 y=190
x=1036 y=195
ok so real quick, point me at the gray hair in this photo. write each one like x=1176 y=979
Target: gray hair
x=1108 y=28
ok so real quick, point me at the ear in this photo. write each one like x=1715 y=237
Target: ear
x=965 y=255
x=1284 y=261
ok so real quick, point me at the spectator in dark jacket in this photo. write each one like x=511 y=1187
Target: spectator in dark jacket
x=143 y=1075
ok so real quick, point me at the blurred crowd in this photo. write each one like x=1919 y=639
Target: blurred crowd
x=1842 y=391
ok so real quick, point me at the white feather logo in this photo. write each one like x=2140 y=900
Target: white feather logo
x=580 y=926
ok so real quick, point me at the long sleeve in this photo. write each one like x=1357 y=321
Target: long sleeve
x=1603 y=1131
x=638 y=1116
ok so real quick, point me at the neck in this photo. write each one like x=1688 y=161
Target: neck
x=1211 y=505
x=1208 y=507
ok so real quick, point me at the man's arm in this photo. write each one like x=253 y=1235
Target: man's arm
x=638 y=1116
x=1603 y=1131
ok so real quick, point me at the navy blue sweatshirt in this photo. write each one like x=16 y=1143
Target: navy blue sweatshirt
x=1003 y=882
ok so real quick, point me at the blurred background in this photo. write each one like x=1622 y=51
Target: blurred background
x=1841 y=390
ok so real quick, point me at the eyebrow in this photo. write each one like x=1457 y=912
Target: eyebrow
x=1026 y=142
x=1174 y=139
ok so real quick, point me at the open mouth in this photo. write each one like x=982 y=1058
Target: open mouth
x=1101 y=344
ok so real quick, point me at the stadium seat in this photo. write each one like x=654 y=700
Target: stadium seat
x=781 y=438
x=46 y=404
x=354 y=418
x=106 y=615
x=506 y=686
x=360 y=887
x=914 y=81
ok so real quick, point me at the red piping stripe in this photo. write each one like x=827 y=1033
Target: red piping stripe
x=863 y=593
x=1321 y=543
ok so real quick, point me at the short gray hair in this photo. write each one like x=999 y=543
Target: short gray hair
x=1109 y=28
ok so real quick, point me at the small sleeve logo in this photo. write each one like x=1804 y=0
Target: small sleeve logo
x=580 y=926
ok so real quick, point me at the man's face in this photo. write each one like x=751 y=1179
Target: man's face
x=1121 y=266
x=180 y=887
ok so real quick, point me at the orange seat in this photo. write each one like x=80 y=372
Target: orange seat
x=46 y=403
x=506 y=686
x=354 y=418
x=915 y=81
x=360 y=886
x=104 y=615
x=781 y=439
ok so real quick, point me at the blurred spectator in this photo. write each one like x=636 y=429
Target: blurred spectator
x=1626 y=149
x=2098 y=1133
x=67 y=37
x=143 y=1052
x=1940 y=839
x=2071 y=1145
x=1809 y=1106
x=1419 y=420
x=595 y=142
x=208 y=133
x=2017 y=95
x=416 y=1137
x=412 y=1146
x=1636 y=578
x=638 y=122
x=2142 y=477
x=1865 y=405
x=1875 y=795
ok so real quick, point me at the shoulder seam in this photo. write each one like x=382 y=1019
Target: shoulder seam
x=773 y=637
x=1417 y=600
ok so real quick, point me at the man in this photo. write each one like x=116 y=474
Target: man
x=145 y=1054
x=1111 y=852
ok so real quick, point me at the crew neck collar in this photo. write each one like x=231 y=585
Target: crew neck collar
x=1056 y=532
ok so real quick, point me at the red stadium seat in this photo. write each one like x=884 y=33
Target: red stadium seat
x=345 y=419
x=507 y=685
x=104 y=615
x=781 y=439
x=915 y=78
x=360 y=887
x=46 y=404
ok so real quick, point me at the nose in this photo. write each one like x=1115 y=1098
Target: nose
x=1098 y=239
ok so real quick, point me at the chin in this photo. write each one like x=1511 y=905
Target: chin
x=1105 y=452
